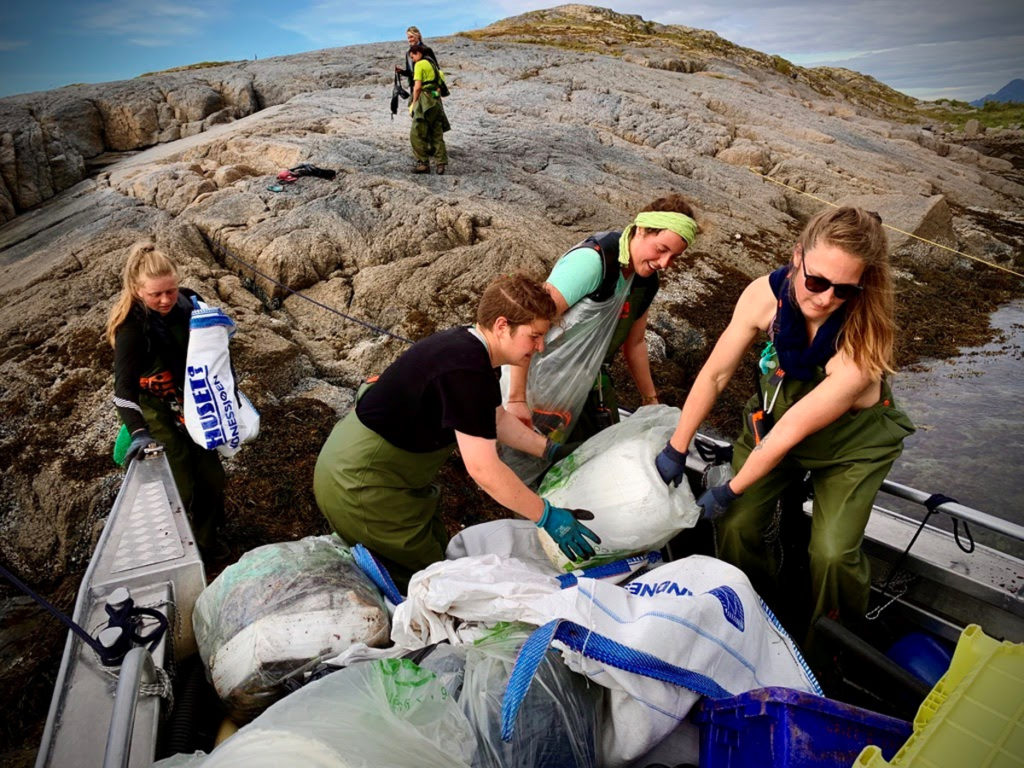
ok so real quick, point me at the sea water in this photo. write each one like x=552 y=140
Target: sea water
x=969 y=413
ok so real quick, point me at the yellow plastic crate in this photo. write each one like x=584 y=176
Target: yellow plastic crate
x=973 y=717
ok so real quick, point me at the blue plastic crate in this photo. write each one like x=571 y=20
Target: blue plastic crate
x=780 y=727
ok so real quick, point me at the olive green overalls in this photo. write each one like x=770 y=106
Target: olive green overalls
x=381 y=496
x=429 y=122
x=847 y=460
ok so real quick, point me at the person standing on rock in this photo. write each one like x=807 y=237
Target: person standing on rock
x=603 y=289
x=828 y=315
x=429 y=121
x=374 y=477
x=148 y=328
x=413 y=36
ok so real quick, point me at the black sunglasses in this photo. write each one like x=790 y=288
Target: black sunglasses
x=819 y=284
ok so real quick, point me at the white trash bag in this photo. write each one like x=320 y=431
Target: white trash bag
x=217 y=414
x=613 y=475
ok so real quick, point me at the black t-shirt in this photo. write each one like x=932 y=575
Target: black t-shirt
x=442 y=384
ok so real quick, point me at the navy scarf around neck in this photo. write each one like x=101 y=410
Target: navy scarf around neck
x=796 y=358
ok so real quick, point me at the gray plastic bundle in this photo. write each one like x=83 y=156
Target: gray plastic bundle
x=557 y=726
x=277 y=612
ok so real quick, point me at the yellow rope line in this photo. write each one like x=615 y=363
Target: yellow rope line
x=888 y=226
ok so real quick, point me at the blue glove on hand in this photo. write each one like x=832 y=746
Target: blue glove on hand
x=555 y=452
x=140 y=439
x=712 y=452
x=671 y=464
x=564 y=527
x=714 y=501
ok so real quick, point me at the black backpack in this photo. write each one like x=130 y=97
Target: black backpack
x=442 y=87
x=606 y=244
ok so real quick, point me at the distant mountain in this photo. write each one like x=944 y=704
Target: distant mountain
x=1012 y=91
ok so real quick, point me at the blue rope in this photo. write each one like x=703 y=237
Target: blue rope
x=600 y=648
x=377 y=573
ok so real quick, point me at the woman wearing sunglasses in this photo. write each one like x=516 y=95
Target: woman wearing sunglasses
x=824 y=407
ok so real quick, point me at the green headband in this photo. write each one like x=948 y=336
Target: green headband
x=680 y=223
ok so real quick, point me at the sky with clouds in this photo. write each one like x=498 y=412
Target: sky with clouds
x=926 y=48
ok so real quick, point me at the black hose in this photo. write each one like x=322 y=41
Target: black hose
x=182 y=725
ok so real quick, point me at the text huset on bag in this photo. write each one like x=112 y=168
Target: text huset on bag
x=217 y=415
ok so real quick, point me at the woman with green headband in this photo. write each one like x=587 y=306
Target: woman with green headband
x=602 y=288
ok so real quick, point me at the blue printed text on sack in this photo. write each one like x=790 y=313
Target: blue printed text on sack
x=210 y=419
x=661 y=588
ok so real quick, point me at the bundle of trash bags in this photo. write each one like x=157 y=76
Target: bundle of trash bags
x=442 y=710
x=277 y=613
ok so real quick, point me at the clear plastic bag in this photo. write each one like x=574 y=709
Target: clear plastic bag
x=613 y=475
x=279 y=611
x=564 y=374
x=557 y=727
x=390 y=712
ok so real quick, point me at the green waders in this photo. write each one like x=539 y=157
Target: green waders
x=197 y=472
x=429 y=123
x=848 y=460
x=381 y=496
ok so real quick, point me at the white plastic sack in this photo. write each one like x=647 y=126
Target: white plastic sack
x=613 y=475
x=217 y=414
x=279 y=611
x=698 y=615
x=379 y=713
x=517 y=538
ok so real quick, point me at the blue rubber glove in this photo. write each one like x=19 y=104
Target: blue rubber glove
x=140 y=439
x=555 y=452
x=714 y=501
x=564 y=527
x=671 y=464
x=712 y=452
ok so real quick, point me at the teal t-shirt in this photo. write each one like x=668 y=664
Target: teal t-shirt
x=578 y=273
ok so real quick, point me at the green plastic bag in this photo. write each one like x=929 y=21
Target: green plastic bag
x=121 y=443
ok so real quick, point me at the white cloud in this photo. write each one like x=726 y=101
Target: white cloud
x=149 y=24
x=920 y=48
x=12 y=45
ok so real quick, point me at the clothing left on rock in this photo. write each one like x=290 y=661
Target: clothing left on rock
x=149 y=376
x=374 y=477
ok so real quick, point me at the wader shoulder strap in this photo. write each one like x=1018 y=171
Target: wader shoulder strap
x=606 y=244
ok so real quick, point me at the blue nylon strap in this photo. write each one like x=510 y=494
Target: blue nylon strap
x=603 y=571
x=210 y=318
x=377 y=573
x=529 y=658
x=599 y=648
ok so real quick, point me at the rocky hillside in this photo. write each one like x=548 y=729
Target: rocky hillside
x=564 y=122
